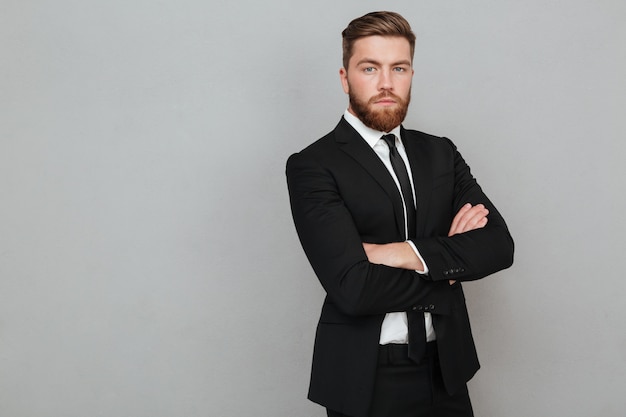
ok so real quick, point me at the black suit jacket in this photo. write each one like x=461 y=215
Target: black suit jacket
x=342 y=195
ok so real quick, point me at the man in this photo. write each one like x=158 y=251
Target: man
x=391 y=226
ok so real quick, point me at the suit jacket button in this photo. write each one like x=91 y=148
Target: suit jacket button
x=445 y=272
x=420 y=308
x=432 y=306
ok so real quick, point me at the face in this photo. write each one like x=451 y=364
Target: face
x=378 y=81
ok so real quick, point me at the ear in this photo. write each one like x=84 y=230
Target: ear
x=343 y=75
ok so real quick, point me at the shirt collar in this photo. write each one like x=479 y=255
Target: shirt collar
x=370 y=135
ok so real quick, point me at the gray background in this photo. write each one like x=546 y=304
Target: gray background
x=148 y=261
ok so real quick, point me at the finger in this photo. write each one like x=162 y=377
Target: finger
x=475 y=224
x=474 y=220
x=457 y=218
x=477 y=219
x=464 y=216
x=470 y=219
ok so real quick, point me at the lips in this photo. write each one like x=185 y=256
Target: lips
x=385 y=99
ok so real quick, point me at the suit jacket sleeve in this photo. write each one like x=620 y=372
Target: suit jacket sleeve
x=471 y=255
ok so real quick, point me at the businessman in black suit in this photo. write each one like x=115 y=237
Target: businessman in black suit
x=392 y=221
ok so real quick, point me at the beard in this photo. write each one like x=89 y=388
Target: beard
x=383 y=120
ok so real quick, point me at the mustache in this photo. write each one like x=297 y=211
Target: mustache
x=386 y=94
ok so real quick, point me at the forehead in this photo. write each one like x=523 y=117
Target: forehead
x=381 y=49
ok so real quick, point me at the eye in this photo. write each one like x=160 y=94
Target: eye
x=368 y=69
x=399 y=69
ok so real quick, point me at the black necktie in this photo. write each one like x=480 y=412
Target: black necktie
x=405 y=184
x=417 y=328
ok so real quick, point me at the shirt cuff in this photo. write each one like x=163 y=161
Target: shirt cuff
x=425 y=271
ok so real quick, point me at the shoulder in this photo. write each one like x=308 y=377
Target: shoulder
x=314 y=157
x=329 y=146
x=321 y=145
x=320 y=149
x=417 y=136
x=426 y=144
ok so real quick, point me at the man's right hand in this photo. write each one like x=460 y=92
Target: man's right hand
x=468 y=218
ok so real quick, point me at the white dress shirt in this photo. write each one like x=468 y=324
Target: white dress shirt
x=395 y=327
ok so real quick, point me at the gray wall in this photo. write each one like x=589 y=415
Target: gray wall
x=148 y=261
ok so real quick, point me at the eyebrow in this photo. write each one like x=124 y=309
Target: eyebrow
x=374 y=62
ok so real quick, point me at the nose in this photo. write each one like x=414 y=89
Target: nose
x=384 y=80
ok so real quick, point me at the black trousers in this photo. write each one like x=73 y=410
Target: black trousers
x=408 y=389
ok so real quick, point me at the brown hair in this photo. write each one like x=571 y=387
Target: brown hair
x=372 y=24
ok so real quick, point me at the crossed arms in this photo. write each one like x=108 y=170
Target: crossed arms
x=336 y=207
x=401 y=254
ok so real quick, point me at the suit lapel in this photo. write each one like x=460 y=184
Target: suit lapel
x=421 y=171
x=355 y=146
